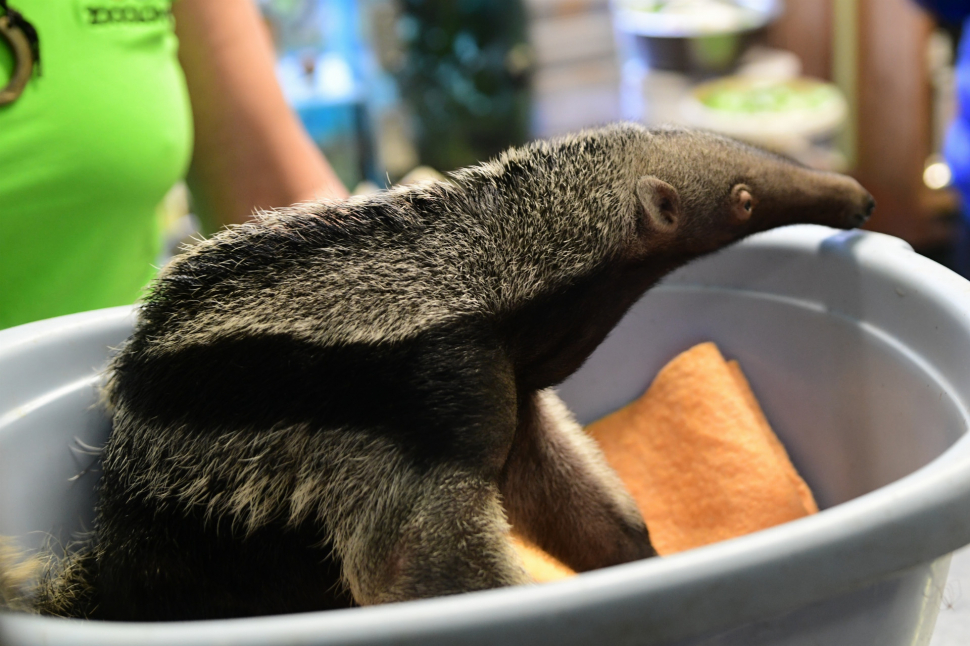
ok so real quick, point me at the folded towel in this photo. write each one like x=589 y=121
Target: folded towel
x=542 y=566
x=699 y=458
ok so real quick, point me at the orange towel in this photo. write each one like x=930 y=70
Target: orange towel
x=699 y=457
x=542 y=566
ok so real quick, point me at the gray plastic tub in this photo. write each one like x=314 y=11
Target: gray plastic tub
x=859 y=351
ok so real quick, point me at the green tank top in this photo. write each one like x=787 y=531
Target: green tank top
x=86 y=154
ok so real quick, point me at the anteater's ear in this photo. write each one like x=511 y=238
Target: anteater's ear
x=661 y=203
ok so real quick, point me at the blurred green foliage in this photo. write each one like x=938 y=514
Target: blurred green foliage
x=465 y=77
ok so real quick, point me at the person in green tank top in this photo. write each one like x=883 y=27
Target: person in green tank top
x=100 y=135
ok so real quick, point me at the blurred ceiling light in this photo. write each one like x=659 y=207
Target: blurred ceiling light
x=937 y=174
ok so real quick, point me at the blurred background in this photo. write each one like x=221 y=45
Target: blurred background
x=860 y=86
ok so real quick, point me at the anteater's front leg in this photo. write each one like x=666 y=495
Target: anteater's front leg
x=562 y=495
x=426 y=533
x=420 y=514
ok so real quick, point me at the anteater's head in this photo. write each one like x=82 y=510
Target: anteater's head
x=572 y=231
x=700 y=191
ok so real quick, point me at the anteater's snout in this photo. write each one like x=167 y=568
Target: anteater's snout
x=857 y=203
x=862 y=215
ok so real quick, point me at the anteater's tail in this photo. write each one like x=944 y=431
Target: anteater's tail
x=19 y=574
x=63 y=587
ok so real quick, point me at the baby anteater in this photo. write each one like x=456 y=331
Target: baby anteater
x=348 y=402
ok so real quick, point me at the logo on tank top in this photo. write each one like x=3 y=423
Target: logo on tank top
x=98 y=13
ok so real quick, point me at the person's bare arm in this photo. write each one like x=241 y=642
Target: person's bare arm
x=250 y=149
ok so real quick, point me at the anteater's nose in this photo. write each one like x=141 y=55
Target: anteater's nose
x=868 y=206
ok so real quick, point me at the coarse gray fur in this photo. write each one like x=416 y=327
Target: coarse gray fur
x=348 y=402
